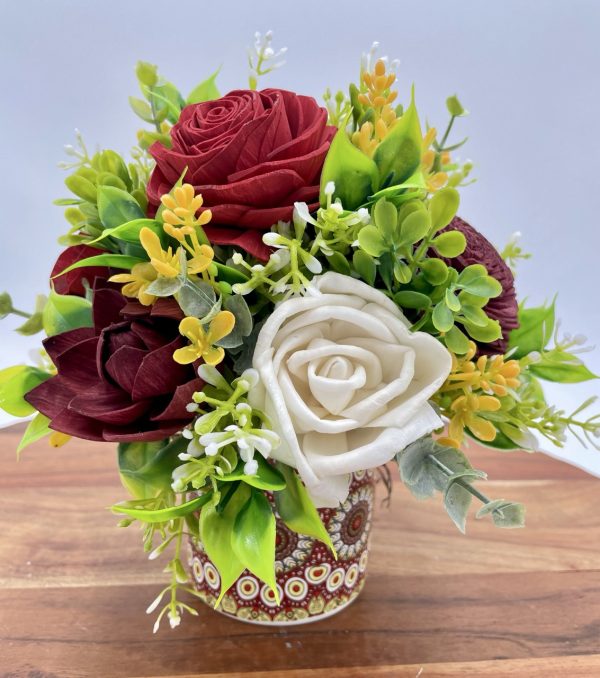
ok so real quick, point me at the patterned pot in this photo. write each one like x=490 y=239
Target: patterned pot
x=311 y=583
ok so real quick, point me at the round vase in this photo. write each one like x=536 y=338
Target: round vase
x=312 y=585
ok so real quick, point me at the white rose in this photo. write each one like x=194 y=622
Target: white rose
x=344 y=382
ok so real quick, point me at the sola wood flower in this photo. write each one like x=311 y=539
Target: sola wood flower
x=117 y=381
x=345 y=382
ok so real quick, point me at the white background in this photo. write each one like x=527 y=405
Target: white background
x=527 y=71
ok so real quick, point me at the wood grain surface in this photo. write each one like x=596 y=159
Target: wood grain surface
x=74 y=588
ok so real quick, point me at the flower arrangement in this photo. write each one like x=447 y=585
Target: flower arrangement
x=273 y=295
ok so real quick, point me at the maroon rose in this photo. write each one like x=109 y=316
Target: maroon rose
x=503 y=308
x=72 y=282
x=118 y=381
x=251 y=155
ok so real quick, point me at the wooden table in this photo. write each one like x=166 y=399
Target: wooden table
x=74 y=588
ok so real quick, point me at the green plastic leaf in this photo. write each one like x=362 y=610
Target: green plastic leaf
x=164 y=287
x=443 y=207
x=452 y=301
x=442 y=318
x=146 y=73
x=124 y=261
x=402 y=272
x=473 y=314
x=411 y=299
x=484 y=286
x=142 y=109
x=117 y=207
x=66 y=312
x=32 y=325
x=163 y=515
x=561 y=367
x=414 y=227
x=536 y=326
x=146 y=468
x=435 y=271
x=488 y=333
x=207 y=90
x=450 y=244
x=36 y=429
x=353 y=173
x=457 y=498
x=399 y=155
x=229 y=274
x=385 y=218
x=339 y=263
x=167 y=95
x=504 y=513
x=296 y=509
x=237 y=305
x=371 y=241
x=82 y=187
x=267 y=476
x=457 y=341
x=216 y=534
x=130 y=231
x=15 y=383
x=197 y=299
x=364 y=265
x=253 y=539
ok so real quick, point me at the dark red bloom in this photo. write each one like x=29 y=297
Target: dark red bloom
x=118 y=381
x=251 y=155
x=504 y=308
x=72 y=282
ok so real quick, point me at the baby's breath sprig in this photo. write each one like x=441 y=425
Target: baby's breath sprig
x=262 y=58
x=338 y=107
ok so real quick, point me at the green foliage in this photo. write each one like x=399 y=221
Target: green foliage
x=15 y=384
x=266 y=478
x=562 y=367
x=455 y=108
x=162 y=515
x=117 y=207
x=426 y=467
x=65 y=312
x=253 y=539
x=198 y=299
x=36 y=429
x=353 y=173
x=536 y=327
x=124 y=261
x=399 y=154
x=237 y=305
x=207 y=90
x=297 y=510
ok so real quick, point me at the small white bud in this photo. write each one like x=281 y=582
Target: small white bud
x=330 y=188
x=251 y=467
x=237 y=258
x=580 y=339
x=272 y=239
x=268 y=53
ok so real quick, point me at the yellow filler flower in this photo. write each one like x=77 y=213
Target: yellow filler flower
x=137 y=282
x=202 y=341
x=165 y=262
x=180 y=214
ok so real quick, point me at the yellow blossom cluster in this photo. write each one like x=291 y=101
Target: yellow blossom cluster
x=434 y=179
x=379 y=98
x=202 y=341
x=475 y=386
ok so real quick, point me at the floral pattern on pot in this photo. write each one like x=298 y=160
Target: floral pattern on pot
x=310 y=582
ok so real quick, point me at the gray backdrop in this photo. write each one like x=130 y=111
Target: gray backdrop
x=527 y=71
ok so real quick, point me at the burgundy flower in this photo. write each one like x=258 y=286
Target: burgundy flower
x=72 y=282
x=118 y=381
x=251 y=155
x=503 y=308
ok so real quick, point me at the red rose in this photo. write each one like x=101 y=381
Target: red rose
x=72 y=282
x=251 y=155
x=117 y=381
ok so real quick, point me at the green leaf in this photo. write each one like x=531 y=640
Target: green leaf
x=146 y=468
x=15 y=383
x=385 y=218
x=399 y=154
x=123 y=261
x=237 y=305
x=443 y=207
x=457 y=341
x=32 y=325
x=536 y=326
x=505 y=514
x=216 y=534
x=473 y=314
x=167 y=95
x=411 y=299
x=267 y=476
x=36 y=429
x=130 y=231
x=117 y=207
x=146 y=73
x=142 y=109
x=253 y=539
x=452 y=301
x=230 y=275
x=371 y=241
x=197 y=299
x=297 y=510
x=450 y=244
x=414 y=227
x=483 y=286
x=82 y=187
x=353 y=173
x=561 y=367
x=163 y=515
x=491 y=332
x=66 y=312
x=339 y=263
x=165 y=287
x=435 y=271
x=206 y=91
x=443 y=318
x=457 y=498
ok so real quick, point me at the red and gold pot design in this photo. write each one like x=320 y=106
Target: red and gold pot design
x=312 y=585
